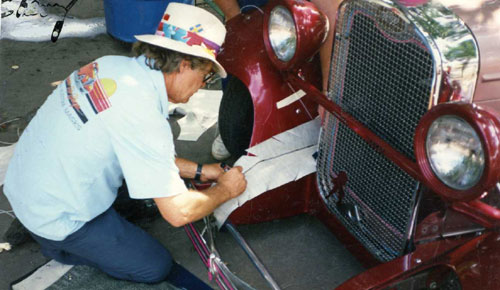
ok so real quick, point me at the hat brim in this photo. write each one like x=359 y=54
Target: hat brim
x=182 y=47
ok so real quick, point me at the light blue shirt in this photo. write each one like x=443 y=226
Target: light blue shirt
x=105 y=122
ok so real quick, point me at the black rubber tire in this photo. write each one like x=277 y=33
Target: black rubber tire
x=236 y=117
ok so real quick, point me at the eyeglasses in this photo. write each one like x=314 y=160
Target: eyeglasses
x=209 y=78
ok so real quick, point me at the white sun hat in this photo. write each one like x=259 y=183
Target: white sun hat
x=190 y=30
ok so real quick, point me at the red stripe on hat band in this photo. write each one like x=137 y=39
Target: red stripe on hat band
x=188 y=37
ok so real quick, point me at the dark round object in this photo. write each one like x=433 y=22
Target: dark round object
x=236 y=117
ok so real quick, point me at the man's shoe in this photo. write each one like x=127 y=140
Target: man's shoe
x=219 y=150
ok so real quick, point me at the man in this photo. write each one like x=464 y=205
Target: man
x=106 y=122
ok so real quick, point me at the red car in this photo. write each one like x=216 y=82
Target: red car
x=408 y=158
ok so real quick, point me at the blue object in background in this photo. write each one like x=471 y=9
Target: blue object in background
x=247 y=5
x=126 y=18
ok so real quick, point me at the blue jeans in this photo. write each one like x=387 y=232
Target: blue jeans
x=120 y=249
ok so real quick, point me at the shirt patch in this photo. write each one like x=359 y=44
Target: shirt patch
x=96 y=90
x=74 y=102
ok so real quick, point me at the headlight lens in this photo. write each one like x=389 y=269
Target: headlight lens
x=282 y=34
x=455 y=152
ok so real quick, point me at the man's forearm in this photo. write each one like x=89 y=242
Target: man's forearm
x=230 y=8
x=192 y=205
x=187 y=168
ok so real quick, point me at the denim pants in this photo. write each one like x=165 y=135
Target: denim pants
x=120 y=249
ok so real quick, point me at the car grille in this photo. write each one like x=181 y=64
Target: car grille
x=382 y=74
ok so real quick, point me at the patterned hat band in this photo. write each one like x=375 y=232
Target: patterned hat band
x=188 y=37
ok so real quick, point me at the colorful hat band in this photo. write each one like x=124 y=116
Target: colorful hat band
x=188 y=37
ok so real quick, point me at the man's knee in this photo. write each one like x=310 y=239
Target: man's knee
x=157 y=270
x=159 y=273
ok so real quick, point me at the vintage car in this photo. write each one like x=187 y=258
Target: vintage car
x=408 y=160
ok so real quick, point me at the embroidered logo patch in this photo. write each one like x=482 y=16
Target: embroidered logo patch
x=89 y=89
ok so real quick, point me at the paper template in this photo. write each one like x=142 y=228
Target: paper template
x=279 y=160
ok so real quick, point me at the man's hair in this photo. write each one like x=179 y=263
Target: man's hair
x=166 y=60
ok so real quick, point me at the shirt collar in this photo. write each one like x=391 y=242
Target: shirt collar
x=158 y=82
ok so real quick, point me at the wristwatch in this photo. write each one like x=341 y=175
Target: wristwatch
x=197 y=176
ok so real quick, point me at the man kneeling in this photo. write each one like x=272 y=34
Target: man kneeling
x=106 y=122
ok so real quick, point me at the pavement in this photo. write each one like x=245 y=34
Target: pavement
x=299 y=252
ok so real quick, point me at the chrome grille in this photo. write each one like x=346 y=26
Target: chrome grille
x=382 y=74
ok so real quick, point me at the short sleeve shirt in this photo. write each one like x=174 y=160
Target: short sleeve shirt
x=105 y=122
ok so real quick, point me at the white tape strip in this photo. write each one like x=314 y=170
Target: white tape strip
x=290 y=99
x=45 y=276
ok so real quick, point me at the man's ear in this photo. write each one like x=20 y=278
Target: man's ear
x=185 y=64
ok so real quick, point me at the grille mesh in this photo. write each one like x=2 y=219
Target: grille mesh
x=382 y=75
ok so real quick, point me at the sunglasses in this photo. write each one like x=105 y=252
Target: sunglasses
x=210 y=78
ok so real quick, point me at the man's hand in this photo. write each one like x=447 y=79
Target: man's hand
x=211 y=172
x=233 y=182
x=193 y=205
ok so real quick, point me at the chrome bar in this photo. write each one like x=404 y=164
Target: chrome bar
x=250 y=253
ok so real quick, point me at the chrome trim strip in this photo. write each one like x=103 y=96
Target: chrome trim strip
x=451 y=42
x=456 y=49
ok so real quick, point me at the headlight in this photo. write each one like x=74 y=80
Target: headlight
x=292 y=32
x=282 y=34
x=457 y=148
x=455 y=152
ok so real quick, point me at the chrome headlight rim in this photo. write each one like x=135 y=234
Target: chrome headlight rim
x=285 y=48
x=487 y=127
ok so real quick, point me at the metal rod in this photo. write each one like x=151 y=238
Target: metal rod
x=359 y=128
x=199 y=246
x=255 y=260
x=69 y=6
